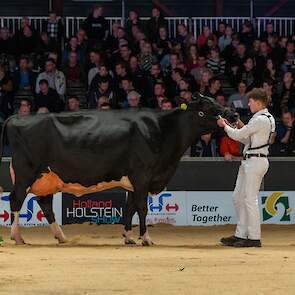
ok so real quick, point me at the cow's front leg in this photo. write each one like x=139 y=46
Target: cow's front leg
x=142 y=213
x=45 y=204
x=15 y=232
x=129 y=212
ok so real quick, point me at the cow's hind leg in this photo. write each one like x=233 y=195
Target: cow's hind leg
x=45 y=203
x=129 y=212
x=142 y=211
x=17 y=198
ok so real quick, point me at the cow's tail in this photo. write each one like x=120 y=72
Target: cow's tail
x=2 y=143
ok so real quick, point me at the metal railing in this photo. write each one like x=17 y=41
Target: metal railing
x=282 y=25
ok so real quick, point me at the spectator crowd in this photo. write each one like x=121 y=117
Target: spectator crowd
x=140 y=65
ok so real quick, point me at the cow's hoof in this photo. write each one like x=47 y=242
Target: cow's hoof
x=130 y=242
x=18 y=240
x=61 y=240
x=147 y=243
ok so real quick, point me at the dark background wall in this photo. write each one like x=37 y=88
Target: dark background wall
x=179 y=8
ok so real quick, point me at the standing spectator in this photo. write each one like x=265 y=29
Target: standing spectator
x=96 y=27
x=54 y=28
x=27 y=41
x=133 y=20
x=247 y=35
x=154 y=23
x=48 y=98
x=56 y=79
x=7 y=43
x=269 y=33
x=221 y=29
x=162 y=44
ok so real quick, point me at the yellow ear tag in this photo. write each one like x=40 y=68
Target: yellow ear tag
x=183 y=106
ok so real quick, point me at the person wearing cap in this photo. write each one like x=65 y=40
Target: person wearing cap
x=256 y=136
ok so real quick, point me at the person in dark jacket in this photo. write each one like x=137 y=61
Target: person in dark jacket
x=23 y=77
x=96 y=27
x=154 y=23
x=48 y=98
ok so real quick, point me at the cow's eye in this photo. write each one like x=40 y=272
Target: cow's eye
x=201 y=114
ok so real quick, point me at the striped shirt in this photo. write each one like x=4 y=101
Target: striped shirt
x=217 y=66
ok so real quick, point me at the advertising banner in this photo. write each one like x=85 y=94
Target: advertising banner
x=101 y=208
x=166 y=207
x=30 y=214
x=210 y=208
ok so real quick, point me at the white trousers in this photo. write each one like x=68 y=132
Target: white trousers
x=251 y=173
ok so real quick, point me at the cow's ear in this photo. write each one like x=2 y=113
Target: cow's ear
x=183 y=106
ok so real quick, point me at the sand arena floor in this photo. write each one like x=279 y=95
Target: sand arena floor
x=185 y=260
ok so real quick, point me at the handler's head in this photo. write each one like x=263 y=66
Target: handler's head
x=257 y=99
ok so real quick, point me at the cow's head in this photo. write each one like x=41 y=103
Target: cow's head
x=208 y=111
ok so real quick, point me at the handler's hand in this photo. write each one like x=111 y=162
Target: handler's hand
x=222 y=122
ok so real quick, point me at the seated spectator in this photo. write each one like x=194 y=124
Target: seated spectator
x=120 y=73
x=262 y=57
x=286 y=95
x=166 y=105
x=220 y=98
x=226 y=38
x=221 y=30
x=43 y=110
x=229 y=148
x=159 y=93
x=6 y=93
x=214 y=88
x=204 y=82
x=73 y=46
x=289 y=59
x=206 y=146
x=247 y=35
x=184 y=37
x=191 y=58
x=271 y=72
x=74 y=72
x=284 y=144
x=103 y=73
x=206 y=34
x=56 y=79
x=185 y=96
x=7 y=43
x=248 y=74
x=162 y=44
x=24 y=79
x=103 y=102
x=133 y=99
x=101 y=89
x=239 y=100
x=73 y=104
x=48 y=97
x=201 y=67
x=216 y=64
x=95 y=62
x=28 y=41
x=25 y=107
x=146 y=57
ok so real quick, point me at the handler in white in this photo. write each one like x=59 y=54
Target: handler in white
x=256 y=137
